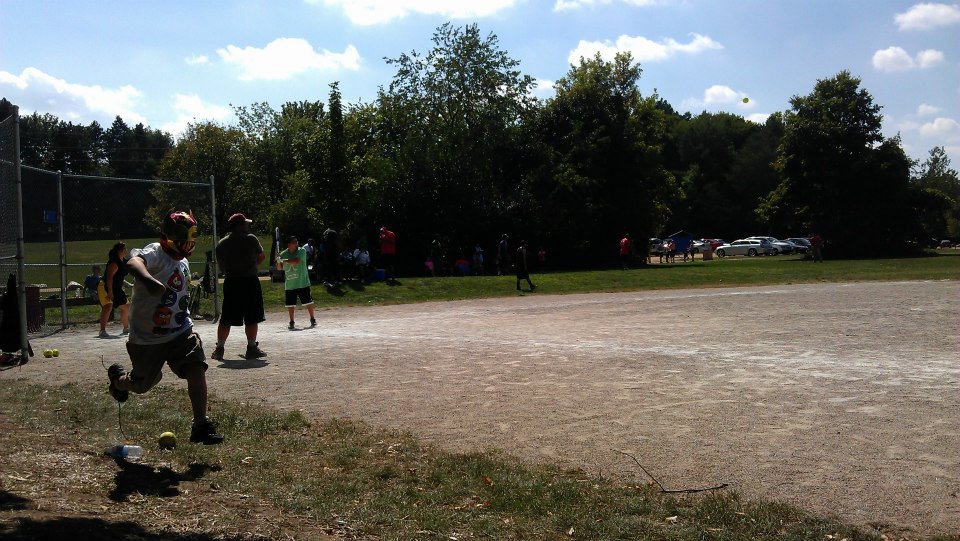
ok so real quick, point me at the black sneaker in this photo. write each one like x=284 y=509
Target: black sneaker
x=313 y=322
x=115 y=372
x=290 y=326
x=217 y=353
x=205 y=433
x=254 y=352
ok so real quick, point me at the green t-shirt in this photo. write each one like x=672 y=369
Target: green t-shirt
x=296 y=273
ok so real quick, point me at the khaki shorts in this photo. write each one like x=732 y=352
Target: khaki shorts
x=179 y=353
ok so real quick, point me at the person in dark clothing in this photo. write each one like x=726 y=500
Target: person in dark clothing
x=110 y=289
x=239 y=254
x=503 y=255
x=523 y=271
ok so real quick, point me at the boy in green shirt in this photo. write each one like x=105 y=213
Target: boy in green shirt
x=293 y=261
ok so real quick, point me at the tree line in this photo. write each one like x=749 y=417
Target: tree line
x=457 y=150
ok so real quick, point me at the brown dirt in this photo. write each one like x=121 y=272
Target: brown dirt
x=840 y=398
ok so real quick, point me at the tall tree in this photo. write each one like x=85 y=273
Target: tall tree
x=839 y=176
x=606 y=175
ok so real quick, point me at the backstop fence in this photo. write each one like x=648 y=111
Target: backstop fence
x=70 y=222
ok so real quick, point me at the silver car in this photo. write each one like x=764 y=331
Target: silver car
x=750 y=247
x=779 y=246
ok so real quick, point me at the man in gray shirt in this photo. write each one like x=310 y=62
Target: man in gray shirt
x=238 y=255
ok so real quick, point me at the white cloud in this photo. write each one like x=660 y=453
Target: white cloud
x=283 y=58
x=197 y=60
x=940 y=127
x=928 y=16
x=716 y=97
x=190 y=109
x=929 y=58
x=759 y=118
x=367 y=12
x=642 y=49
x=925 y=109
x=34 y=90
x=563 y=5
x=542 y=88
x=896 y=59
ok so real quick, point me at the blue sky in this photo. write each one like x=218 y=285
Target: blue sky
x=172 y=62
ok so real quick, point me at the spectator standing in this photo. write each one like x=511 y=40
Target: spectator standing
x=162 y=330
x=523 y=271
x=477 y=261
x=91 y=282
x=293 y=261
x=110 y=289
x=671 y=251
x=388 y=250
x=503 y=255
x=239 y=254
x=331 y=257
x=816 y=245
x=541 y=259
x=625 y=248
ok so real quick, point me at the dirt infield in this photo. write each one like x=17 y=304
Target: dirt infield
x=841 y=398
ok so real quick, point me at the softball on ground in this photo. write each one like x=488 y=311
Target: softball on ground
x=56 y=352
x=48 y=353
x=167 y=440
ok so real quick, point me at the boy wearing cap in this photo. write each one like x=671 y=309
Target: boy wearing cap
x=238 y=255
x=161 y=330
x=293 y=261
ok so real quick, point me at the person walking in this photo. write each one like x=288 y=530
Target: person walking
x=293 y=261
x=110 y=289
x=625 y=248
x=162 y=331
x=816 y=245
x=523 y=271
x=388 y=250
x=239 y=254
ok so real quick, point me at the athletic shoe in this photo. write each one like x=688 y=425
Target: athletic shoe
x=313 y=322
x=115 y=372
x=206 y=433
x=103 y=334
x=290 y=326
x=254 y=352
x=125 y=331
x=217 y=353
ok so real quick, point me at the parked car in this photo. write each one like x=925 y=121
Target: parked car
x=945 y=244
x=750 y=247
x=802 y=244
x=656 y=246
x=779 y=246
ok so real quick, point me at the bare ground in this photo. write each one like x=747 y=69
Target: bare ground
x=841 y=398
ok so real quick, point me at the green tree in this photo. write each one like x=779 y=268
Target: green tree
x=939 y=210
x=605 y=174
x=839 y=177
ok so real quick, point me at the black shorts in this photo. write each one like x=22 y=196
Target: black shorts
x=293 y=294
x=242 y=301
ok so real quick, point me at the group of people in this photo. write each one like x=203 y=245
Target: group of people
x=331 y=263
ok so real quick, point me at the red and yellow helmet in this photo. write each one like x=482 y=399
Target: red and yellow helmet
x=178 y=235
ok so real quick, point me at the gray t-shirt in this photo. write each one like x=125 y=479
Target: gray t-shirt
x=237 y=254
x=155 y=319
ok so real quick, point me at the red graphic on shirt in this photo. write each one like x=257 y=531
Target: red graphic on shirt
x=176 y=281
x=162 y=316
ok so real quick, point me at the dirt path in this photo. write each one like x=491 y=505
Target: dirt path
x=842 y=398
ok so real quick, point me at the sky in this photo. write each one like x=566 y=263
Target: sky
x=170 y=63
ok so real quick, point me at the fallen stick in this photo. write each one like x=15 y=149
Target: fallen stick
x=667 y=490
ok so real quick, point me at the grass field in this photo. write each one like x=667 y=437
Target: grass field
x=728 y=272
x=285 y=476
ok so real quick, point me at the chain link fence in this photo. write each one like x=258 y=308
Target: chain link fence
x=70 y=223
x=13 y=316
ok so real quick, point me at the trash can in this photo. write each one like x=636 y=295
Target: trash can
x=34 y=312
x=707 y=252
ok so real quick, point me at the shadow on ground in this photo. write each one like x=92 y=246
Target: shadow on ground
x=94 y=529
x=134 y=478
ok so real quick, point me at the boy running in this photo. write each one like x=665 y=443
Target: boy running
x=160 y=327
x=293 y=261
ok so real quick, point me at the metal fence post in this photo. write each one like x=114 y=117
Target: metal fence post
x=63 y=252
x=216 y=274
x=21 y=269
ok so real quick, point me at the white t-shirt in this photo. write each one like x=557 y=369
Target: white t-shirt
x=155 y=319
x=361 y=257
